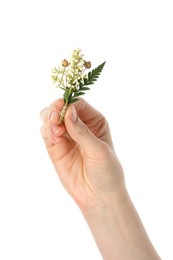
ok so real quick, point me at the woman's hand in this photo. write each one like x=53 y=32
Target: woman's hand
x=82 y=152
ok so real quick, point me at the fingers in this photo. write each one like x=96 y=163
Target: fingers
x=51 y=131
x=80 y=133
x=86 y=112
x=83 y=124
x=94 y=120
x=44 y=114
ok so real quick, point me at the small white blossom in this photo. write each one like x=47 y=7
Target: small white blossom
x=70 y=74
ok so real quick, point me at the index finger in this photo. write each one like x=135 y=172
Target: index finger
x=86 y=112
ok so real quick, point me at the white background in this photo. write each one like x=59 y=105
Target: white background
x=38 y=220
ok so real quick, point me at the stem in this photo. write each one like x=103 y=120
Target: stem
x=63 y=112
x=64 y=108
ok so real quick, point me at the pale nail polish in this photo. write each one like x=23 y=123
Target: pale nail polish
x=53 y=116
x=55 y=129
x=73 y=114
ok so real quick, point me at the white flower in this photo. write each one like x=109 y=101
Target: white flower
x=70 y=74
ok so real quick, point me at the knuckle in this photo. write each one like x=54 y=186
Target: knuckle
x=83 y=129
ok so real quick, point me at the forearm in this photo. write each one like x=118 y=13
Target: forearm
x=118 y=230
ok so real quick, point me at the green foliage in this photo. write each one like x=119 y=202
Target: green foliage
x=73 y=100
x=90 y=80
x=94 y=74
x=67 y=95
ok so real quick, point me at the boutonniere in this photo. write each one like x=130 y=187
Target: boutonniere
x=74 y=76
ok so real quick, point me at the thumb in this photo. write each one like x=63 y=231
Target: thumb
x=80 y=133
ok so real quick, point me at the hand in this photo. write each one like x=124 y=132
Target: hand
x=82 y=152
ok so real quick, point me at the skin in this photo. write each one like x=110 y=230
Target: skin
x=83 y=155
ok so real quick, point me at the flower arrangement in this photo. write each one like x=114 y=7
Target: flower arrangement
x=72 y=77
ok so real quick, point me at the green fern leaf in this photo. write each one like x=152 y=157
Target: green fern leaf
x=94 y=75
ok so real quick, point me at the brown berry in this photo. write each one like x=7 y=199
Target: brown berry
x=65 y=63
x=87 y=64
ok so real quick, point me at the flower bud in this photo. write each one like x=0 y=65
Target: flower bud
x=65 y=63
x=87 y=64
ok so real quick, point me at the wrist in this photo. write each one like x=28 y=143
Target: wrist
x=104 y=221
x=118 y=230
x=107 y=202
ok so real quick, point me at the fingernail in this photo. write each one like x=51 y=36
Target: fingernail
x=73 y=114
x=53 y=116
x=55 y=129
